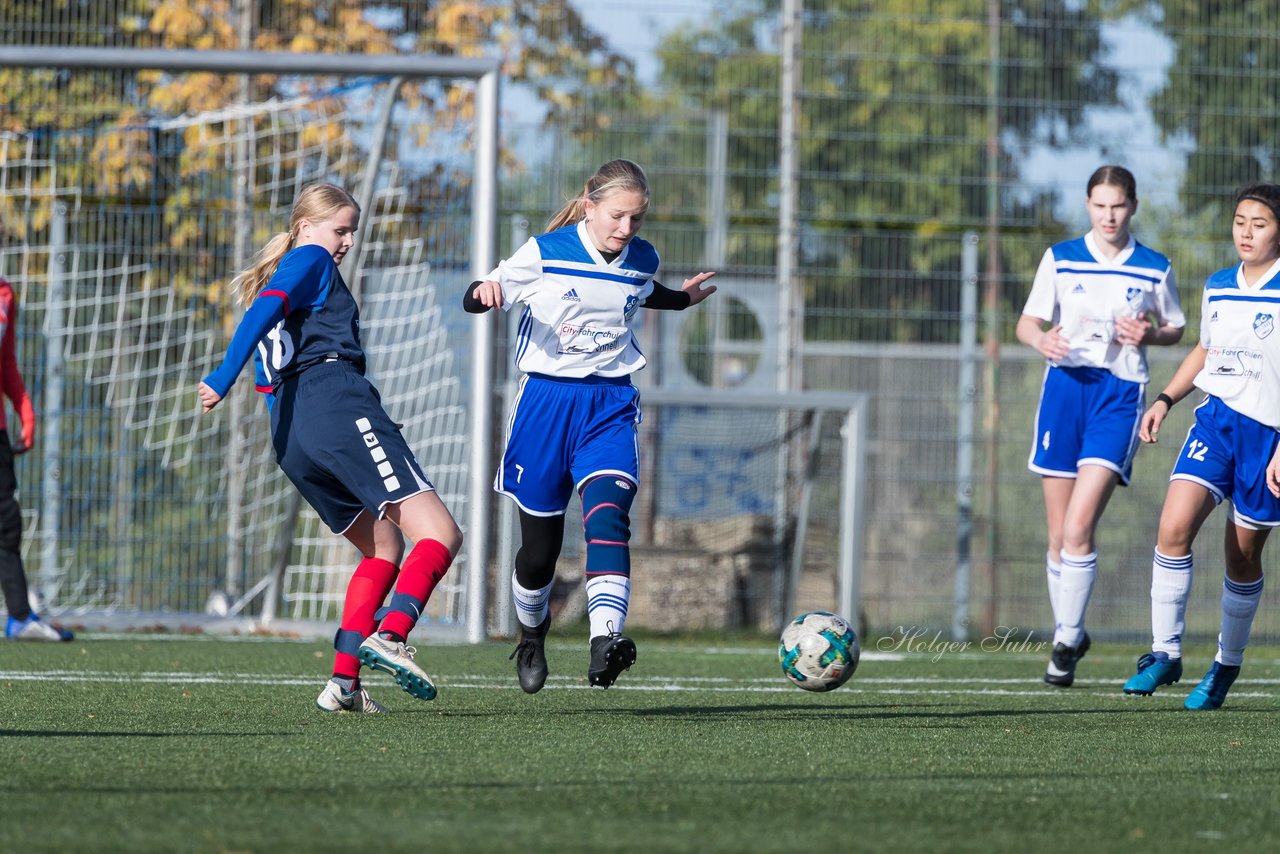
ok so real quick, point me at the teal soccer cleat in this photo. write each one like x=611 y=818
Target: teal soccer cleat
x=1213 y=688
x=1154 y=669
x=397 y=659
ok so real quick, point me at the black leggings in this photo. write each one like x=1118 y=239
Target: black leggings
x=540 y=541
x=13 y=579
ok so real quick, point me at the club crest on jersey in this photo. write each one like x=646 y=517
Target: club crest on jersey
x=1263 y=325
x=571 y=295
x=629 y=308
x=1134 y=297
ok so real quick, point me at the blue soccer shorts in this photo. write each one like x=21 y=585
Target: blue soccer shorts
x=1227 y=453
x=1087 y=416
x=339 y=447
x=561 y=433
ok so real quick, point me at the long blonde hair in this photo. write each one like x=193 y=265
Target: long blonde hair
x=614 y=175
x=316 y=203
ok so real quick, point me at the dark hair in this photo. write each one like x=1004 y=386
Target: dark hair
x=1115 y=176
x=1266 y=194
x=614 y=175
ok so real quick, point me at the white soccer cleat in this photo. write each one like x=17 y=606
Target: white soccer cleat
x=332 y=699
x=397 y=659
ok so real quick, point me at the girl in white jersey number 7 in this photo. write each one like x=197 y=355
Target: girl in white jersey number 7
x=573 y=425
x=1225 y=455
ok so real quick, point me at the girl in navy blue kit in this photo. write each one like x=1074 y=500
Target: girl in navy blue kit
x=336 y=443
x=573 y=426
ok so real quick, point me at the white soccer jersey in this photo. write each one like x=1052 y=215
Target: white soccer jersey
x=1238 y=329
x=1077 y=287
x=578 y=308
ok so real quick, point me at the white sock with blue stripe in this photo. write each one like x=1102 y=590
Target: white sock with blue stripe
x=1239 y=604
x=607 y=600
x=1170 y=584
x=531 y=605
x=1075 y=586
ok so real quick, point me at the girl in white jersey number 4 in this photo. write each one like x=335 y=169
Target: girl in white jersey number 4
x=573 y=425
x=1237 y=366
x=1103 y=297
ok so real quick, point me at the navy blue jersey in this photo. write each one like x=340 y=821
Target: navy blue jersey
x=303 y=316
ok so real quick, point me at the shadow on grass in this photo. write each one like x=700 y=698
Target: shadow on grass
x=942 y=711
x=62 y=733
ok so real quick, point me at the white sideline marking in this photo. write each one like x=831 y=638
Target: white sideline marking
x=928 y=685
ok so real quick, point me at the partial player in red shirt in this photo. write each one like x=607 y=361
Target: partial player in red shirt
x=23 y=623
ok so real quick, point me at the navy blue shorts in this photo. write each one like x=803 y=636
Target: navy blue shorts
x=339 y=447
x=1087 y=416
x=562 y=432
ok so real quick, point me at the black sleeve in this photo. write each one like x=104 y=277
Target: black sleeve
x=664 y=298
x=470 y=304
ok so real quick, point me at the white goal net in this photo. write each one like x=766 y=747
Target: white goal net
x=123 y=231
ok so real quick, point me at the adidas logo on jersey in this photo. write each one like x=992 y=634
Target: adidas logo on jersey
x=572 y=295
x=1078 y=289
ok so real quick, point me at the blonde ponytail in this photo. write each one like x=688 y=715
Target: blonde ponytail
x=316 y=203
x=246 y=286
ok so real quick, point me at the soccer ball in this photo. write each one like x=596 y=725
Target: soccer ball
x=819 y=651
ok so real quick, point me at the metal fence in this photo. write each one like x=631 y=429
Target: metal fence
x=915 y=122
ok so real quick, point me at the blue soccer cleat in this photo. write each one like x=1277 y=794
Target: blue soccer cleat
x=1213 y=688
x=1154 y=669
x=35 y=629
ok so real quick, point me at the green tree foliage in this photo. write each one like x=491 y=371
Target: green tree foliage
x=893 y=130
x=1221 y=93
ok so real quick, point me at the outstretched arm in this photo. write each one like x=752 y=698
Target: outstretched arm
x=691 y=293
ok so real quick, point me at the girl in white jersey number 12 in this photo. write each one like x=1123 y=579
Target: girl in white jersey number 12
x=1225 y=455
x=573 y=425
x=1103 y=297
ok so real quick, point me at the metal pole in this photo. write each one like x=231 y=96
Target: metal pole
x=505 y=617
x=853 y=434
x=788 y=300
x=51 y=417
x=790 y=365
x=246 y=61
x=992 y=309
x=484 y=242
x=369 y=180
x=968 y=393
x=237 y=410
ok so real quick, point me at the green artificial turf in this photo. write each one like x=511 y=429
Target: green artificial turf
x=196 y=744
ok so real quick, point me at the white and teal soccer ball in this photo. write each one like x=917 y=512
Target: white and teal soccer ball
x=819 y=651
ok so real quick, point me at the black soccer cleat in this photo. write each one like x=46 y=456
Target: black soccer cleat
x=531 y=657
x=610 y=655
x=1062 y=663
